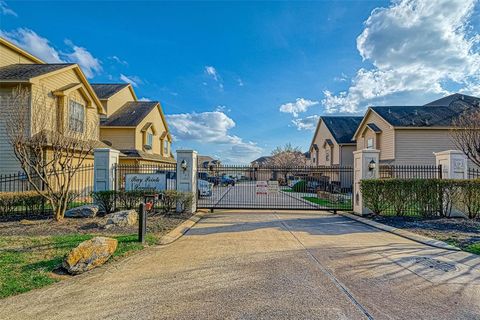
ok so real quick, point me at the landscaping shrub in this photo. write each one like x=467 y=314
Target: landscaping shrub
x=300 y=186
x=131 y=199
x=169 y=201
x=185 y=199
x=27 y=201
x=423 y=197
x=105 y=200
x=374 y=195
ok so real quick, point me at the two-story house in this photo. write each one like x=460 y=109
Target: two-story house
x=58 y=93
x=137 y=128
x=409 y=135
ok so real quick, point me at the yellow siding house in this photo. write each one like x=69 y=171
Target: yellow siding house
x=137 y=128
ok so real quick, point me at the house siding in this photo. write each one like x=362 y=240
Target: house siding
x=416 y=146
x=322 y=134
x=384 y=141
x=118 y=100
x=121 y=138
x=346 y=152
x=9 y=56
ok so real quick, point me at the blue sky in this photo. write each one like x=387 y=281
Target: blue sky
x=237 y=79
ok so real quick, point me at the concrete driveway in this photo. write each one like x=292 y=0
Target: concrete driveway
x=269 y=266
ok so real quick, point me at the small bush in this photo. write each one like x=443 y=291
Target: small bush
x=130 y=199
x=185 y=199
x=26 y=201
x=169 y=200
x=300 y=186
x=424 y=197
x=105 y=200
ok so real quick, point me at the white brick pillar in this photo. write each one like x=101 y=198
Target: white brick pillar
x=105 y=160
x=187 y=176
x=454 y=164
x=365 y=166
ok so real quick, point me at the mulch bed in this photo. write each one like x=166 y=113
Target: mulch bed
x=457 y=231
x=156 y=223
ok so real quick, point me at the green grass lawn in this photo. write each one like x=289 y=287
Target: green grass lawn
x=327 y=203
x=28 y=263
x=473 y=248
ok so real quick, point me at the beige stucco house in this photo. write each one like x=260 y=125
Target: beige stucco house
x=409 y=135
x=137 y=128
x=332 y=143
x=59 y=93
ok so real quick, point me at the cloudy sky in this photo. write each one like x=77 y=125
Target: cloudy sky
x=238 y=79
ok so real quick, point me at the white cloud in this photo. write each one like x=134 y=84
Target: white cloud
x=33 y=43
x=118 y=60
x=39 y=46
x=213 y=128
x=89 y=64
x=300 y=105
x=144 y=99
x=133 y=80
x=211 y=71
x=415 y=47
x=240 y=82
x=5 y=9
x=307 y=123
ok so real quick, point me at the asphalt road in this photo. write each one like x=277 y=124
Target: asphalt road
x=269 y=266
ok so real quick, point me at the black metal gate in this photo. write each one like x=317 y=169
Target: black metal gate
x=269 y=187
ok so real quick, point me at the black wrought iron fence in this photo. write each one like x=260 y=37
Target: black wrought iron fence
x=272 y=187
x=19 y=197
x=410 y=171
x=473 y=173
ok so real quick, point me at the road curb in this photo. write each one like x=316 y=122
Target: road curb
x=402 y=233
x=180 y=230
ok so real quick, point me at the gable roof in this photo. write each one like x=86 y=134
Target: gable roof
x=19 y=50
x=374 y=127
x=130 y=114
x=420 y=116
x=262 y=160
x=342 y=128
x=27 y=71
x=456 y=97
x=105 y=90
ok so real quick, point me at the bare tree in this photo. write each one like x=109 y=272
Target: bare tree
x=285 y=159
x=466 y=135
x=49 y=151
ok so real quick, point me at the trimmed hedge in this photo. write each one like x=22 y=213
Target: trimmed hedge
x=29 y=201
x=423 y=197
x=300 y=186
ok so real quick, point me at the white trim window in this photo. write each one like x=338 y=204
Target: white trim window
x=149 y=139
x=370 y=143
x=76 y=116
x=165 y=147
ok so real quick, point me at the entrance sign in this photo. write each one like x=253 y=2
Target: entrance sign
x=261 y=187
x=146 y=181
x=273 y=187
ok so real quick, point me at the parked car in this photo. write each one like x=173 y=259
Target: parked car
x=227 y=181
x=213 y=180
x=204 y=188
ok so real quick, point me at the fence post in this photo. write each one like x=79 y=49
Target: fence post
x=365 y=166
x=187 y=177
x=142 y=223
x=105 y=161
x=453 y=163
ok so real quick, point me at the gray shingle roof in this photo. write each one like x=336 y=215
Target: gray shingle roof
x=130 y=114
x=374 y=127
x=27 y=71
x=455 y=98
x=133 y=153
x=106 y=90
x=342 y=128
x=421 y=116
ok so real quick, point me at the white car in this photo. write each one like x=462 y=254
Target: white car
x=205 y=188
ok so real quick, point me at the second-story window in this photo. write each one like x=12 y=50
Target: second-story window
x=370 y=143
x=76 y=117
x=165 y=147
x=327 y=155
x=149 y=139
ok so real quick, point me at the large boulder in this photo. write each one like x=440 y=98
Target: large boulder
x=86 y=211
x=123 y=218
x=89 y=254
